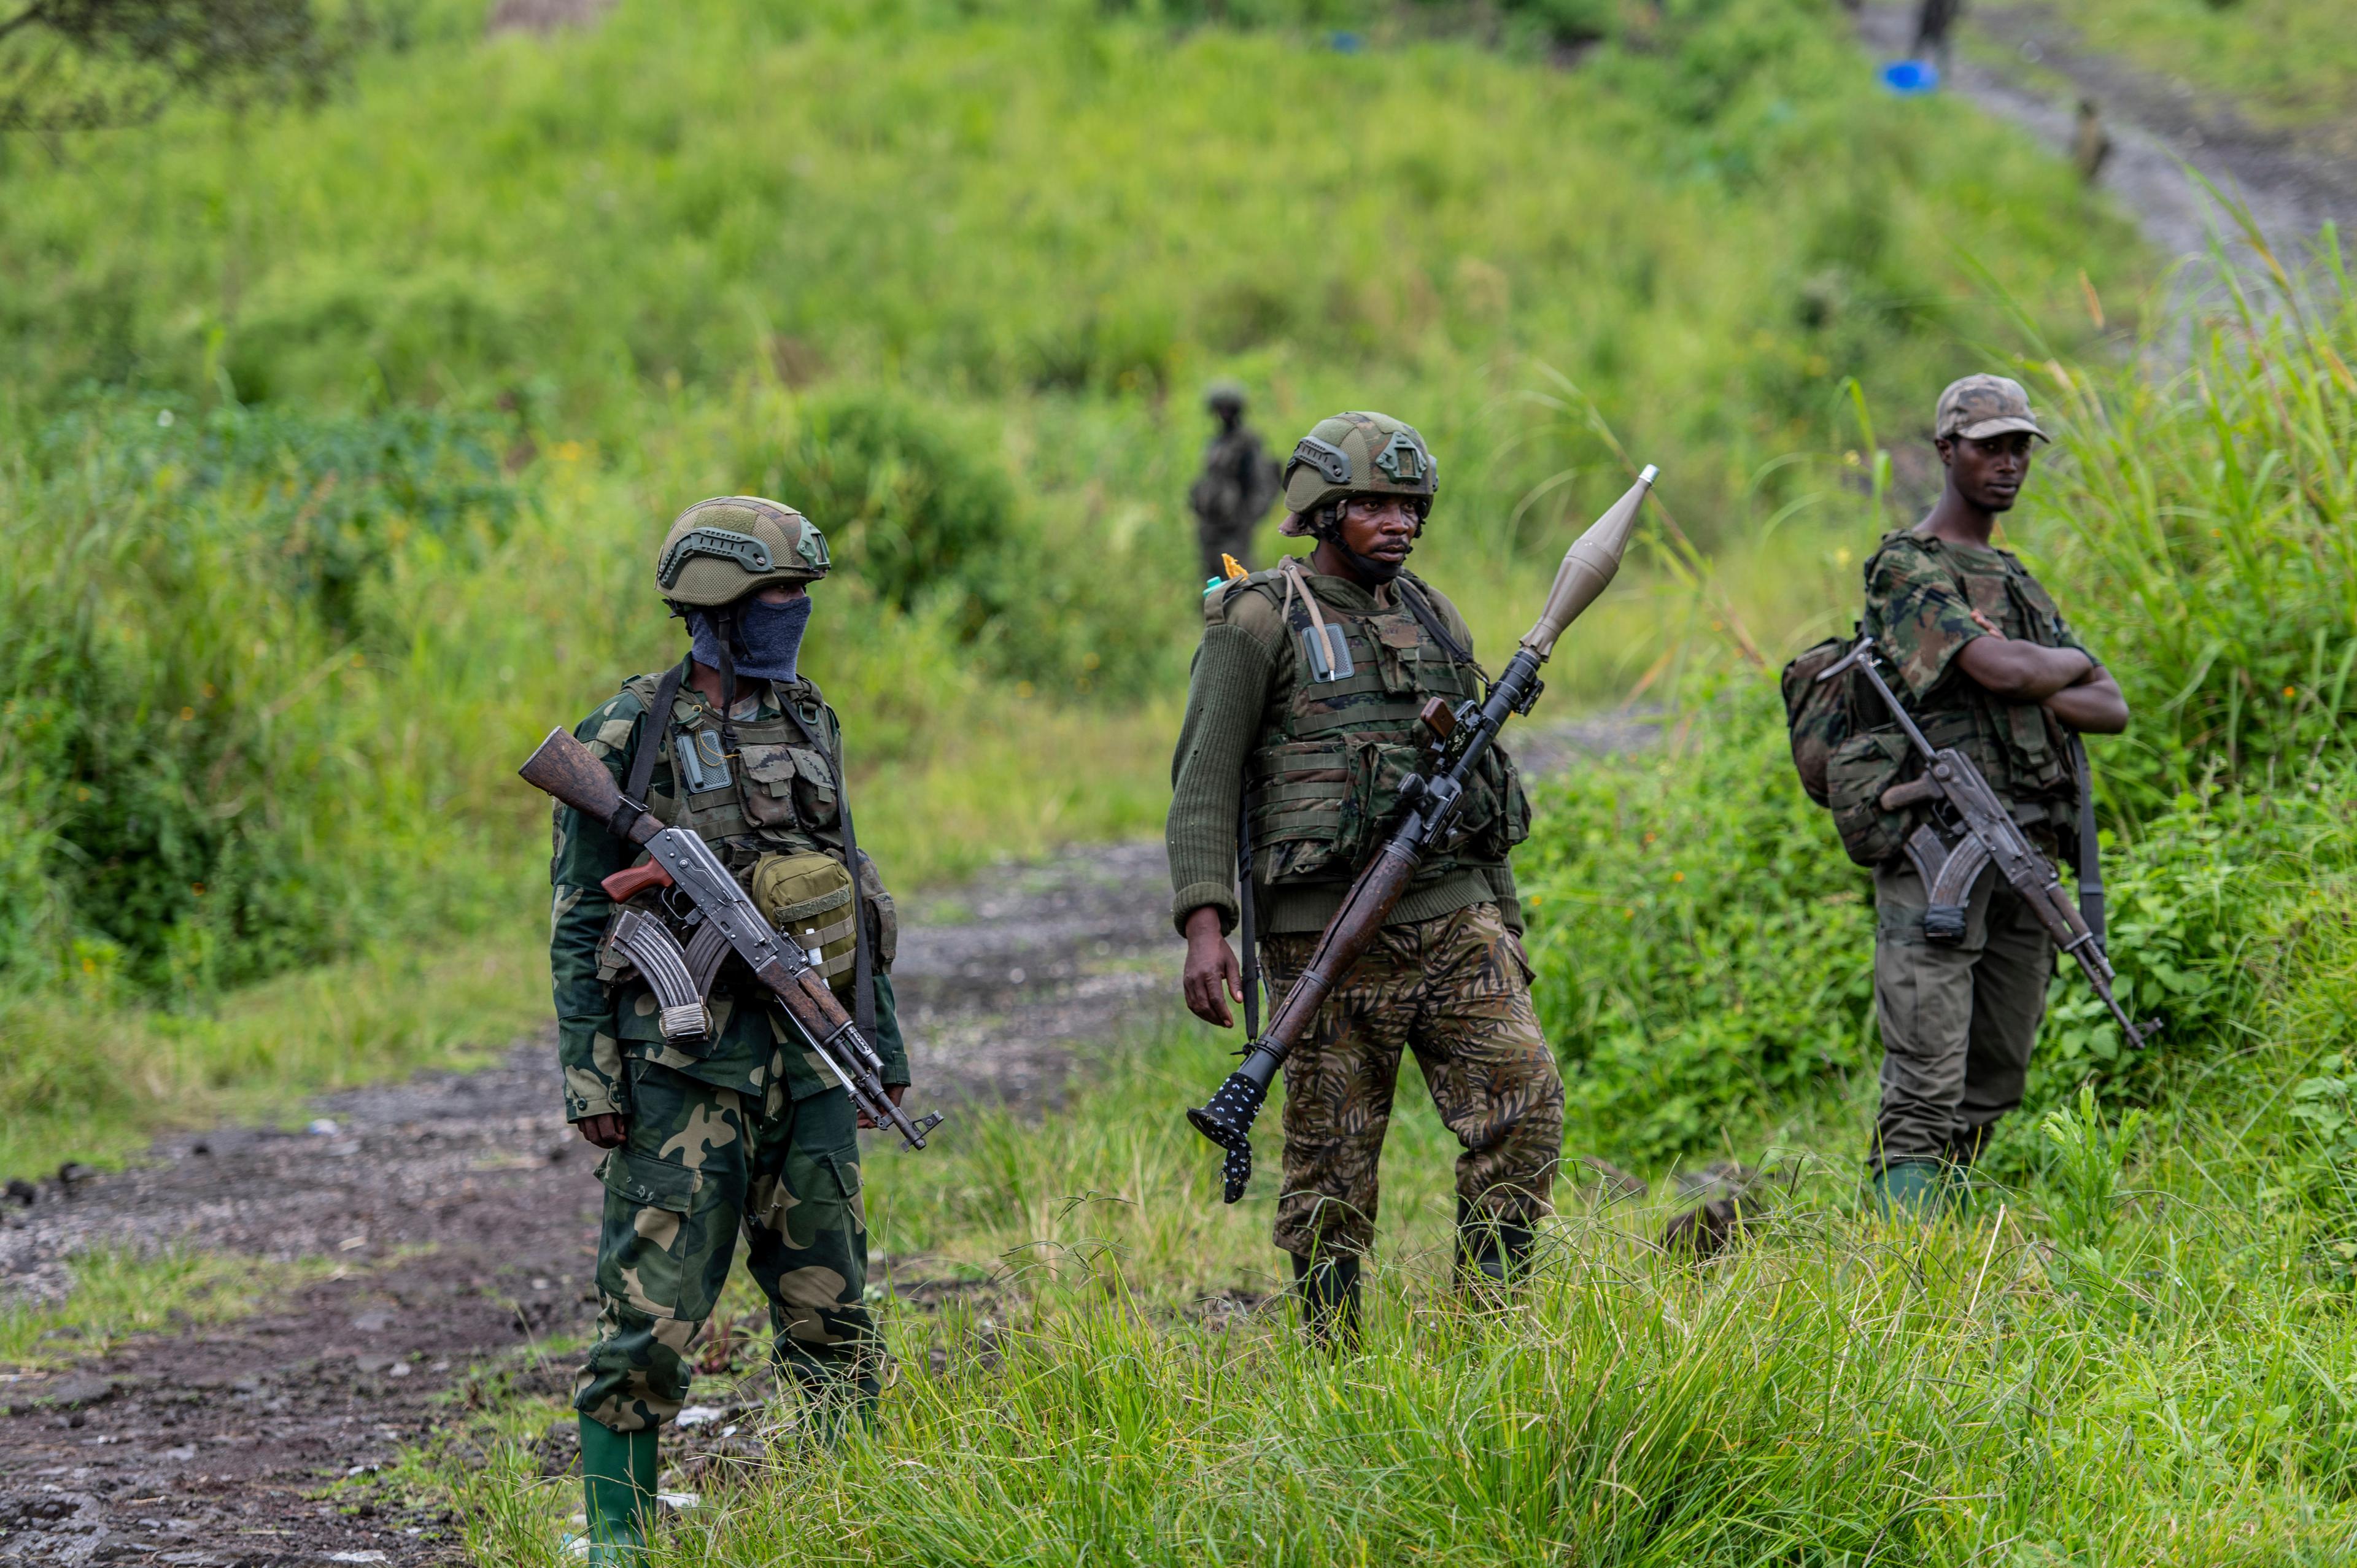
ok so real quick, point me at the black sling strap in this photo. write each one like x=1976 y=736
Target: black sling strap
x=2091 y=855
x=658 y=727
x=863 y=962
x=1431 y=623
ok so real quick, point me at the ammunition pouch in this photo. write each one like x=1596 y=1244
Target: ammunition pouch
x=808 y=898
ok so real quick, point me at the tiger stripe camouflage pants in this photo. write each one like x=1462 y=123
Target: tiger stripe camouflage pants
x=1456 y=991
x=700 y=1164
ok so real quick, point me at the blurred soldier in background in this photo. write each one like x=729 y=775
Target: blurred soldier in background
x=2091 y=145
x=1238 y=481
x=1933 y=18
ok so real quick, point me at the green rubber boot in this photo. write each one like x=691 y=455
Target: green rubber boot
x=1910 y=1189
x=618 y=1485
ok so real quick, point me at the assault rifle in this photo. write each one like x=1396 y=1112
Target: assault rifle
x=1971 y=828
x=724 y=920
x=1429 y=804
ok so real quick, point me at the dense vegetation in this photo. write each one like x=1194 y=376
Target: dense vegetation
x=334 y=443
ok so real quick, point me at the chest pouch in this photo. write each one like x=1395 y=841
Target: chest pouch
x=808 y=898
x=1323 y=645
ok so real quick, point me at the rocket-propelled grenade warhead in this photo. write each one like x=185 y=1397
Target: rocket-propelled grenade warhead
x=1589 y=565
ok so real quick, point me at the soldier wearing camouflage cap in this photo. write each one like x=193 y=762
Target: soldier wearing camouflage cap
x=1232 y=494
x=745 y=1132
x=1987 y=663
x=1303 y=711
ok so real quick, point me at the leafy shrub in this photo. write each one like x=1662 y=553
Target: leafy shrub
x=911 y=500
x=1702 y=947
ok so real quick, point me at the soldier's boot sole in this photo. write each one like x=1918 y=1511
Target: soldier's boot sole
x=617 y=1494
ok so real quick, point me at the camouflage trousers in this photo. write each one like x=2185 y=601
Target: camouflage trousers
x=1456 y=991
x=1958 y=1021
x=700 y=1164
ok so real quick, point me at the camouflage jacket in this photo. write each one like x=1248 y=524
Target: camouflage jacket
x=1238 y=481
x=1921 y=591
x=755 y=1049
x=1324 y=758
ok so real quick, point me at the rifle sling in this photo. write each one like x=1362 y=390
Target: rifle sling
x=1431 y=623
x=2091 y=855
x=652 y=736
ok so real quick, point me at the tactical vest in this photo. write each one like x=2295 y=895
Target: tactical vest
x=775 y=796
x=2018 y=745
x=1325 y=776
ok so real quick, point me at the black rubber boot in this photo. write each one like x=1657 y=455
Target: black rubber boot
x=1491 y=1254
x=1330 y=1300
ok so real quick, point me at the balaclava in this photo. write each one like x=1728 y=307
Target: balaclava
x=768 y=636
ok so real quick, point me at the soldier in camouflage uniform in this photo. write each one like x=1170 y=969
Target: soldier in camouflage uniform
x=1232 y=494
x=1304 y=700
x=744 y=1131
x=1985 y=663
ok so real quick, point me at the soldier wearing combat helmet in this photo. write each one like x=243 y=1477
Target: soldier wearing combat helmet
x=744 y=1132
x=1303 y=705
x=1985 y=663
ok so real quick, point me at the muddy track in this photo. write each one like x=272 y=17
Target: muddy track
x=460 y=1212
x=2292 y=182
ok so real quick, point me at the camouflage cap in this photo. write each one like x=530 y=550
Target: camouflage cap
x=1355 y=455
x=1223 y=394
x=1979 y=407
x=720 y=550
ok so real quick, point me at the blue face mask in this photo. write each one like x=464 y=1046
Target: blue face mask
x=769 y=638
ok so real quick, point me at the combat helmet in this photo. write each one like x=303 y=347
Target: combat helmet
x=1224 y=394
x=720 y=550
x=1356 y=454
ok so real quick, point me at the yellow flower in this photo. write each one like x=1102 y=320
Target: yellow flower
x=187 y=713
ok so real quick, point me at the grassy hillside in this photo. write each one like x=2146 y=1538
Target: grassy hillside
x=2282 y=61
x=335 y=444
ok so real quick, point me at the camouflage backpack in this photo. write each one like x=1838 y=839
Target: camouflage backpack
x=1846 y=759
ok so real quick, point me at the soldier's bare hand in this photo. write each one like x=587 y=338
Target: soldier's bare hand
x=892 y=1094
x=1987 y=625
x=1214 y=978
x=606 y=1132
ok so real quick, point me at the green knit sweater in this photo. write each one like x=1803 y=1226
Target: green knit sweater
x=1243 y=677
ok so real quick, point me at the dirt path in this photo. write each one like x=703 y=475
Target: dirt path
x=2292 y=182
x=461 y=1212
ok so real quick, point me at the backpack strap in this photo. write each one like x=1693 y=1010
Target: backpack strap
x=863 y=961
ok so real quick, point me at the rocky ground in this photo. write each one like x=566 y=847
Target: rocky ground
x=461 y=1212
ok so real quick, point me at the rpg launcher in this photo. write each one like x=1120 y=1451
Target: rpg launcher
x=1430 y=803
x=724 y=920
x=1969 y=829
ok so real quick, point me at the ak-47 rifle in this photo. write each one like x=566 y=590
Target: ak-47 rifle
x=726 y=920
x=1430 y=802
x=1971 y=828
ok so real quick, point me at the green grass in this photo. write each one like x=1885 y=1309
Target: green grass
x=2280 y=61
x=119 y=1293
